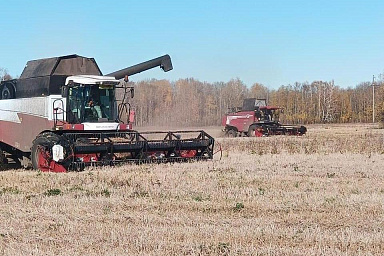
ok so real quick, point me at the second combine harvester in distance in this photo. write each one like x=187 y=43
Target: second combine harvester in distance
x=62 y=114
x=257 y=119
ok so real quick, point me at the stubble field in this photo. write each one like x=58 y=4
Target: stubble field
x=320 y=194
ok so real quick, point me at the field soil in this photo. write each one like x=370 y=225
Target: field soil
x=318 y=194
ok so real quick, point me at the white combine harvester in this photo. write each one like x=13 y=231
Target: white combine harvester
x=62 y=114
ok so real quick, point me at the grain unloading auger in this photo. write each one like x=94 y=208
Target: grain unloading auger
x=62 y=114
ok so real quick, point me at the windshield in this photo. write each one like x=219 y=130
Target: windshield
x=91 y=103
x=274 y=115
x=268 y=115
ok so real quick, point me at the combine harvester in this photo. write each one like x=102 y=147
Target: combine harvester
x=62 y=114
x=257 y=119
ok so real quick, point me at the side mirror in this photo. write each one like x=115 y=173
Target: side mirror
x=64 y=91
x=132 y=92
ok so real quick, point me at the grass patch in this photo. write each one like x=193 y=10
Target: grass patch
x=53 y=192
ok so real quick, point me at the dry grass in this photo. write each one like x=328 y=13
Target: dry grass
x=321 y=194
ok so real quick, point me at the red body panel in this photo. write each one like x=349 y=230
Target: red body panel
x=240 y=120
x=131 y=116
x=47 y=165
x=21 y=135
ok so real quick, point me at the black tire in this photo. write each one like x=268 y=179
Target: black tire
x=3 y=161
x=42 y=142
x=302 y=130
x=256 y=131
x=46 y=141
x=7 y=92
x=232 y=133
x=251 y=131
x=35 y=151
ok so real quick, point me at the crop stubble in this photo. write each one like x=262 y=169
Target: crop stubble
x=320 y=194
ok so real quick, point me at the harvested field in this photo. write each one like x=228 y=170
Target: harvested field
x=320 y=194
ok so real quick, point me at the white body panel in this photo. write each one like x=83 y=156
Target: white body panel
x=36 y=106
x=101 y=126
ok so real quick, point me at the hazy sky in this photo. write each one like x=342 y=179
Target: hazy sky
x=270 y=42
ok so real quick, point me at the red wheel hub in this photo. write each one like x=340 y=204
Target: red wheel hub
x=46 y=164
x=259 y=132
x=188 y=153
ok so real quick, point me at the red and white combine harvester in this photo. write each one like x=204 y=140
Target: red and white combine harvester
x=62 y=114
x=257 y=119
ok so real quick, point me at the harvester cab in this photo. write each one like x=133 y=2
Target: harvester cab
x=89 y=99
x=263 y=112
x=63 y=114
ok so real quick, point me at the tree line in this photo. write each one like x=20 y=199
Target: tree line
x=190 y=102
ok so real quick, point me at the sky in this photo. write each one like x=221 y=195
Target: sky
x=271 y=42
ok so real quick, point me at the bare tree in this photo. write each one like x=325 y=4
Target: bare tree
x=4 y=75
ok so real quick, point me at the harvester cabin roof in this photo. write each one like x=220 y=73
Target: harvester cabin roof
x=270 y=107
x=90 y=79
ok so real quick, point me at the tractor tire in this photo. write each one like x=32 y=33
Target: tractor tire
x=251 y=131
x=302 y=130
x=7 y=92
x=41 y=153
x=255 y=131
x=232 y=133
x=3 y=161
